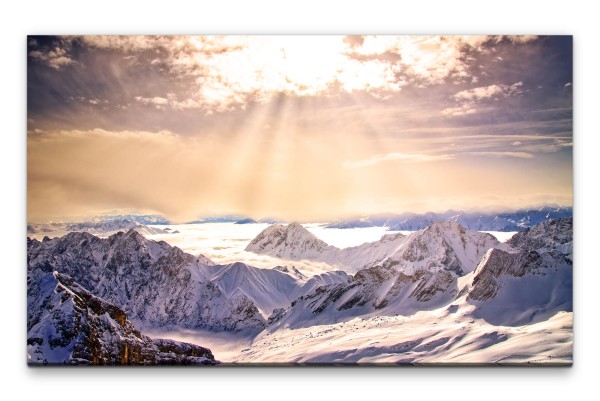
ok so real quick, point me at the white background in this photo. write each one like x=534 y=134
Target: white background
x=307 y=16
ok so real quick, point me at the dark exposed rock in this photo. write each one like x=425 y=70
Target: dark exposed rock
x=430 y=284
x=276 y=315
x=79 y=328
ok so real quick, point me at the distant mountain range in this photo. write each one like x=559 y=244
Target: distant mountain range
x=237 y=219
x=505 y=221
x=480 y=221
x=102 y=227
x=145 y=219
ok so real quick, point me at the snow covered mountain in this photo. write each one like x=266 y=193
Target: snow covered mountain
x=529 y=281
x=156 y=284
x=484 y=293
x=72 y=326
x=102 y=227
x=291 y=241
x=267 y=289
x=441 y=244
x=419 y=272
x=523 y=282
x=507 y=221
x=514 y=307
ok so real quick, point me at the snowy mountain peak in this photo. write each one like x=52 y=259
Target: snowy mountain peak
x=290 y=242
x=391 y=237
x=291 y=271
x=441 y=246
x=444 y=225
x=296 y=226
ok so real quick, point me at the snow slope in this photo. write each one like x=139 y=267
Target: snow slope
x=441 y=336
x=268 y=289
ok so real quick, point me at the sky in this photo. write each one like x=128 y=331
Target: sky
x=304 y=128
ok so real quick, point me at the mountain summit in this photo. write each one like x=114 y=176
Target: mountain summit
x=290 y=241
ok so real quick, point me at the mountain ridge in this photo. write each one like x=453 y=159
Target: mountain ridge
x=480 y=221
x=389 y=289
x=295 y=242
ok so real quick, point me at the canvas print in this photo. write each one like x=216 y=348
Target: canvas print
x=299 y=200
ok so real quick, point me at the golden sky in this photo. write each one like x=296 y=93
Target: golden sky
x=297 y=127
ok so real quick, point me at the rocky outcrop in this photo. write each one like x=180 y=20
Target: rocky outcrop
x=76 y=327
x=498 y=263
x=292 y=271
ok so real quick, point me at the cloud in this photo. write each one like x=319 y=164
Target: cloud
x=157 y=101
x=41 y=136
x=518 y=155
x=467 y=99
x=83 y=99
x=127 y=43
x=403 y=157
x=56 y=58
x=520 y=38
x=79 y=172
x=568 y=84
x=459 y=110
x=486 y=92
x=228 y=72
